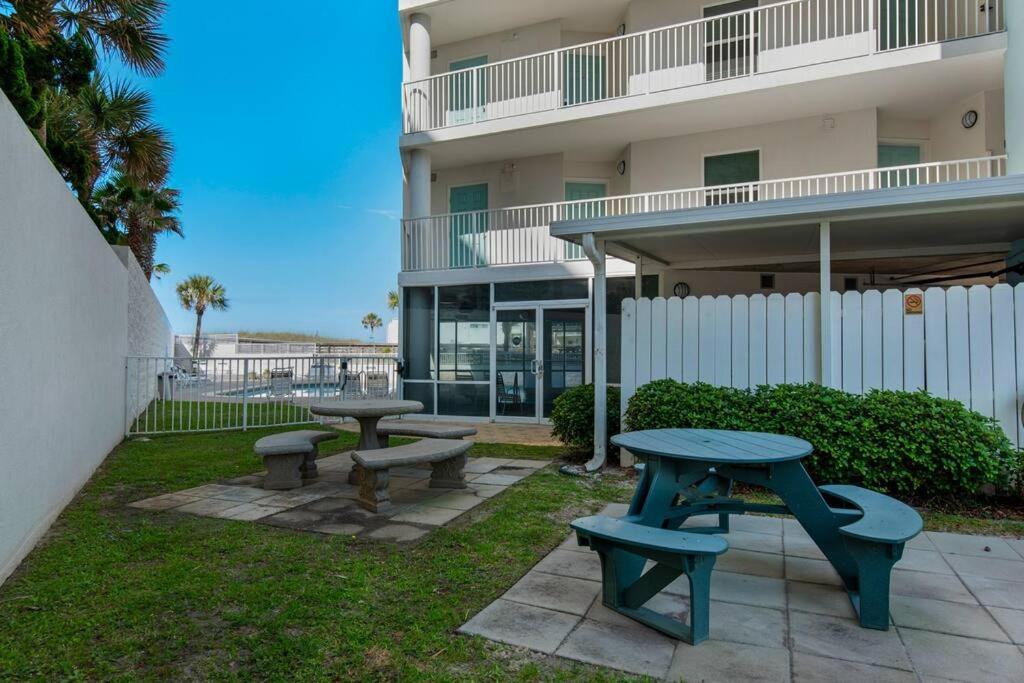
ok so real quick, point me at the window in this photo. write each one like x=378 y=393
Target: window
x=419 y=333
x=767 y=281
x=896 y=157
x=541 y=290
x=731 y=178
x=730 y=46
x=850 y=284
x=463 y=333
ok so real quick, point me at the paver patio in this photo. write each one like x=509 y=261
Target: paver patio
x=778 y=613
x=329 y=505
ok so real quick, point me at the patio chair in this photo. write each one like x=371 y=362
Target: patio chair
x=352 y=386
x=377 y=385
x=508 y=397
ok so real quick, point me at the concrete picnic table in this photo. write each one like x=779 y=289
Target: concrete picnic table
x=690 y=472
x=368 y=413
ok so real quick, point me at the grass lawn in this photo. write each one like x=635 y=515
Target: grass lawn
x=118 y=593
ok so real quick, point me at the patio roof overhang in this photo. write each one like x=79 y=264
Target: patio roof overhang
x=974 y=216
x=964 y=217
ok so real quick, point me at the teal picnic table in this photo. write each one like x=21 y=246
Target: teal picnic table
x=691 y=472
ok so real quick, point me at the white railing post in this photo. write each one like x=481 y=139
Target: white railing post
x=245 y=394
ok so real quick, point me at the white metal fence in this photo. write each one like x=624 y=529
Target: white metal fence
x=765 y=39
x=164 y=394
x=967 y=344
x=519 y=235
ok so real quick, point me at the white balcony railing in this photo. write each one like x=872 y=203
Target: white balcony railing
x=761 y=40
x=519 y=235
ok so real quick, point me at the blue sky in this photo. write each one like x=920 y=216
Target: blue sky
x=285 y=119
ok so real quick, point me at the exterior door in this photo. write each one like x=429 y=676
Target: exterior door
x=730 y=43
x=738 y=172
x=467 y=232
x=580 y=192
x=516 y=364
x=585 y=79
x=890 y=156
x=564 y=360
x=466 y=93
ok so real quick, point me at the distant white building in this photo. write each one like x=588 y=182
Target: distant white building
x=391 y=332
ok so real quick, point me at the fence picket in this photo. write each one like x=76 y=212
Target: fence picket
x=836 y=312
x=776 y=343
x=892 y=339
x=706 y=340
x=674 y=346
x=643 y=342
x=812 y=337
x=958 y=344
x=913 y=348
x=740 y=342
x=659 y=337
x=1018 y=319
x=1004 y=380
x=723 y=342
x=794 y=339
x=979 y=325
x=758 y=340
x=627 y=380
x=852 y=343
x=691 y=339
x=871 y=340
x=935 y=350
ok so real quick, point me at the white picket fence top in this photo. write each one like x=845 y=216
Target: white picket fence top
x=965 y=345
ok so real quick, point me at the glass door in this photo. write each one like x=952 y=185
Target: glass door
x=516 y=364
x=564 y=363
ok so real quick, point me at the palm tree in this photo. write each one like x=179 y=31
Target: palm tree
x=160 y=270
x=197 y=293
x=372 y=321
x=393 y=299
x=127 y=29
x=138 y=213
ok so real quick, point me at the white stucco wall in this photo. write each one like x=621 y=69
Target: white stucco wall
x=64 y=334
x=519 y=42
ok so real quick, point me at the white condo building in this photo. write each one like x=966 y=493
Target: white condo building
x=670 y=130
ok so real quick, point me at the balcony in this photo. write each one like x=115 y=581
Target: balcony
x=519 y=235
x=766 y=39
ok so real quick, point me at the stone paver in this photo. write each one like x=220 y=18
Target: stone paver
x=629 y=647
x=945 y=617
x=963 y=659
x=827 y=636
x=776 y=615
x=814 y=669
x=523 y=625
x=1012 y=621
x=562 y=593
x=328 y=504
x=721 y=662
x=980 y=546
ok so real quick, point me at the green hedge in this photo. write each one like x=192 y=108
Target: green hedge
x=572 y=417
x=904 y=443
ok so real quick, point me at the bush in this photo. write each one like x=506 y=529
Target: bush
x=572 y=417
x=904 y=443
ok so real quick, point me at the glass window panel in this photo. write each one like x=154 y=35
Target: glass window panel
x=467 y=400
x=541 y=290
x=422 y=392
x=515 y=354
x=419 y=332
x=464 y=334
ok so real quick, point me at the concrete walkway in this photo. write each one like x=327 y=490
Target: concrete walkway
x=778 y=613
x=492 y=432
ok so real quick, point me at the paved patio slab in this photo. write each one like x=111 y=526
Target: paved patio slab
x=957 y=614
x=328 y=504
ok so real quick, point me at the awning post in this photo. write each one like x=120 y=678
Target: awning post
x=825 y=267
x=595 y=251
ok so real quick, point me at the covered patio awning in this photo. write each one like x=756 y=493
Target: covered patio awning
x=982 y=216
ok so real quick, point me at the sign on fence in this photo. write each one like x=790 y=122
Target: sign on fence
x=956 y=343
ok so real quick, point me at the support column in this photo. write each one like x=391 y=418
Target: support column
x=595 y=251
x=825 y=287
x=419 y=47
x=1014 y=86
x=419 y=183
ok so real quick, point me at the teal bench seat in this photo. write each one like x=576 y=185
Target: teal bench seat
x=875 y=540
x=622 y=543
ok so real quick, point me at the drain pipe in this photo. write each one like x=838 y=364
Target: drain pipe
x=595 y=253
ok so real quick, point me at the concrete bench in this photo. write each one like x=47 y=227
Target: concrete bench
x=447 y=458
x=875 y=540
x=290 y=457
x=425 y=430
x=623 y=544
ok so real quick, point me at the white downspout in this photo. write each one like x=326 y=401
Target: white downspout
x=595 y=252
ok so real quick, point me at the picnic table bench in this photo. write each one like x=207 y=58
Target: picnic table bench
x=447 y=458
x=385 y=430
x=290 y=457
x=675 y=552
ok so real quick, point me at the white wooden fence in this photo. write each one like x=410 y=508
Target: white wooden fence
x=965 y=344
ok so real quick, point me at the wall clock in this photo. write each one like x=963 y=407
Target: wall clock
x=970 y=119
